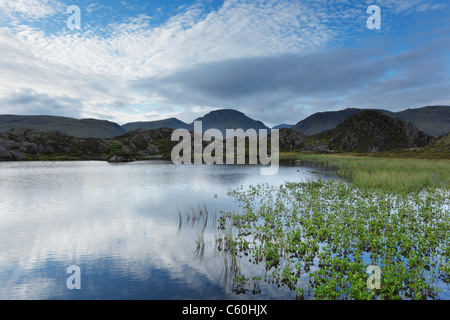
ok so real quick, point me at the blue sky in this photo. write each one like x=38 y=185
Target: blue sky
x=277 y=61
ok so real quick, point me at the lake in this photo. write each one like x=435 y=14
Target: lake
x=120 y=224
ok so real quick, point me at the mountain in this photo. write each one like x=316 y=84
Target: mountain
x=371 y=131
x=85 y=128
x=433 y=120
x=229 y=119
x=322 y=121
x=283 y=126
x=218 y=119
x=172 y=123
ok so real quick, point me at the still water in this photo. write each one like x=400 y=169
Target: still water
x=120 y=224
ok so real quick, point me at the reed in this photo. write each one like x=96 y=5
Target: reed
x=386 y=173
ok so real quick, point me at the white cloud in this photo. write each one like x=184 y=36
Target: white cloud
x=406 y=7
x=29 y=9
x=93 y=71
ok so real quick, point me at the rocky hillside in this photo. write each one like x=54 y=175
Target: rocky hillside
x=291 y=139
x=370 y=131
x=32 y=144
x=438 y=148
x=433 y=120
x=29 y=144
x=442 y=141
x=141 y=144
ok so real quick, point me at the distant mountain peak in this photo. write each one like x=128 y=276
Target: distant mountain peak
x=283 y=126
x=221 y=119
x=224 y=119
x=433 y=120
x=84 y=128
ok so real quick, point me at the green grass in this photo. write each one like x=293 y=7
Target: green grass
x=115 y=146
x=392 y=174
x=65 y=157
x=316 y=141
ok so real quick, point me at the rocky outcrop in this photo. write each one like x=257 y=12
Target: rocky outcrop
x=370 y=131
x=291 y=139
x=296 y=140
x=438 y=148
x=142 y=144
x=442 y=141
x=33 y=144
x=320 y=148
x=146 y=140
x=22 y=144
x=119 y=158
x=10 y=155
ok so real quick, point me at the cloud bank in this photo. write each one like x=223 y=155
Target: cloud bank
x=277 y=61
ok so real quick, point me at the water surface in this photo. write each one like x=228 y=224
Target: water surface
x=120 y=224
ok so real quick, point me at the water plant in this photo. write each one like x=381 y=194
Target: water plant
x=240 y=285
x=200 y=246
x=199 y=219
x=326 y=234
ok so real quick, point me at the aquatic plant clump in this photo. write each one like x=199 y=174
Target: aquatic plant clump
x=327 y=233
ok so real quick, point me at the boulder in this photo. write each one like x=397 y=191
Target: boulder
x=151 y=150
x=119 y=158
x=291 y=139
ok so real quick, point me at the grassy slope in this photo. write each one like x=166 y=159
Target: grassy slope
x=432 y=120
x=85 y=128
x=171 y=123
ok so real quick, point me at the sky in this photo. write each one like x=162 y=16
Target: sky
x=277 y=61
